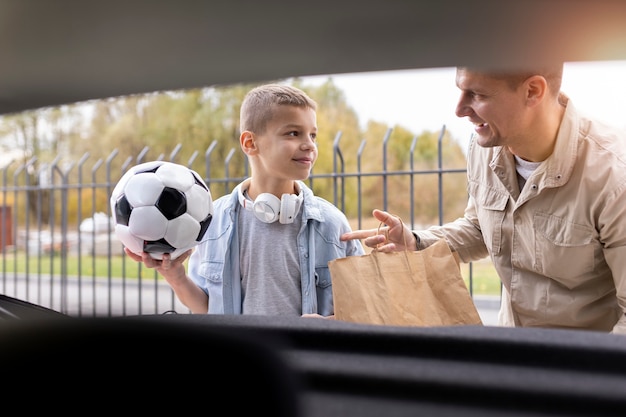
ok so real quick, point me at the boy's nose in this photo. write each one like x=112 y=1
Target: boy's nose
x=308 y=144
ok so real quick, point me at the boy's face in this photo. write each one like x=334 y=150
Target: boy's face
x=287 y=149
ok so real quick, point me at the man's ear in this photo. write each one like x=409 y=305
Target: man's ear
x=248 y=145
x=536 y=89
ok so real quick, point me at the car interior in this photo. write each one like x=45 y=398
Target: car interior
x=68 y=51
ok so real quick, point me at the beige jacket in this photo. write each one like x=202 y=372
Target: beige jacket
x=559 y=246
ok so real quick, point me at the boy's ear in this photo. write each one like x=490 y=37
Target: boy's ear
x=248 y=145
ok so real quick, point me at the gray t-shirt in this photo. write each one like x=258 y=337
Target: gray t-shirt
x=270 y=270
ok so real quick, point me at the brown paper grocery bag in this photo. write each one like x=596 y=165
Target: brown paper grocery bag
x=410 y=288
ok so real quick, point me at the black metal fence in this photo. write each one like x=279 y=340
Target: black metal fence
x=58 y=257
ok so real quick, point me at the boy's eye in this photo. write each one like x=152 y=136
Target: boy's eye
x=296 y=133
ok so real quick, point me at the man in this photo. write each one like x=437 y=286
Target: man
x=547 y=203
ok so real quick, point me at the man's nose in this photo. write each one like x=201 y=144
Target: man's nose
x=462 y=108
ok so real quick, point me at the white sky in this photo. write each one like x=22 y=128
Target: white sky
x=425 y=99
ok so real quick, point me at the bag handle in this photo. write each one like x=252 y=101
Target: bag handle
x=405 y=252
x=387 y=231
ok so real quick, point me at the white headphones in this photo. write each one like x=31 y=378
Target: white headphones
x=268 y=208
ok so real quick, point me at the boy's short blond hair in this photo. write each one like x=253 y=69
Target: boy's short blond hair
x=258 y=105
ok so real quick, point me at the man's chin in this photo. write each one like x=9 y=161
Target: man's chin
x=486 y=141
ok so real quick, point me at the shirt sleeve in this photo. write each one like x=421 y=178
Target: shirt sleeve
x=463 y=235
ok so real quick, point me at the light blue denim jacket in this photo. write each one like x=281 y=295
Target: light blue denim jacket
x=214 y=265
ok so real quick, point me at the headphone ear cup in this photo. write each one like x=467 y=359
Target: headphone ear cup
x=288 y=210
x=266 y=207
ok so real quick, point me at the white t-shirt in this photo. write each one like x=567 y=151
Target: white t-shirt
x=524 y=170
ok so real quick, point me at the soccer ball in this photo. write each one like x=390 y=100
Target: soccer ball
x=161 y=207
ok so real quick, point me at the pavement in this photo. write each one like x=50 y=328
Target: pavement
x=488 y=307
x=97 y=297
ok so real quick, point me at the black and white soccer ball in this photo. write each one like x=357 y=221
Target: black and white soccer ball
x=161 y=207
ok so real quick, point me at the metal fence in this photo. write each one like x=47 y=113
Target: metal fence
x=78 y=267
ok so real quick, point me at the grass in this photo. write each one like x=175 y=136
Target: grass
x=98 y=266
x=484 y=281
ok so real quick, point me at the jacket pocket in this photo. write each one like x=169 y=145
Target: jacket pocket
x=490 y=210
x=322 y=276
x=324 y=290
x=212 y=271
x=563 y=250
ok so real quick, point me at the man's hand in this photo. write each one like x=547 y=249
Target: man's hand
x=394 y=236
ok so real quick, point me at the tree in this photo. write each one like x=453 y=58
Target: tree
x=200 y=128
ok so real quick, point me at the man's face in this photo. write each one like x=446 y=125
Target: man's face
x=494 y=107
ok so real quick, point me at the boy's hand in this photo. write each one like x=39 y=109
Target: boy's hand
x=319 y=316
x=170 y=269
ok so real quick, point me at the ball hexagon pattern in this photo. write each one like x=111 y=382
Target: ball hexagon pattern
x=161 y=207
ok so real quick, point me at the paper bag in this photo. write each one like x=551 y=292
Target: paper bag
x=410 y=288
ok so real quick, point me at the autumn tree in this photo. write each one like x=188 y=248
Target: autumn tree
x=358 y=169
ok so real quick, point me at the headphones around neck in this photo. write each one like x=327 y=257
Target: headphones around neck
x=268 y=208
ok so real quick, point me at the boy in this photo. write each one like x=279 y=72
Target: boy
x=270 y=241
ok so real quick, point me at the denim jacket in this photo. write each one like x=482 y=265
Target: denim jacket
x=214 y=264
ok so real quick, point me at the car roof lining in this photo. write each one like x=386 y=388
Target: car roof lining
x=69 y=51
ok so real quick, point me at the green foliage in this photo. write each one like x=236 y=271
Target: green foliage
x=200 y=128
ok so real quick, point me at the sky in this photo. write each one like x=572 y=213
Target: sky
x=425 y=99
